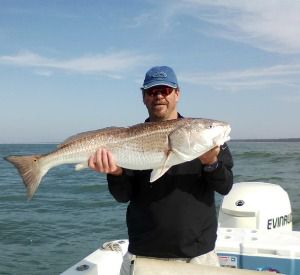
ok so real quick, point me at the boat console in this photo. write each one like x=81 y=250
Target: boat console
x=255 y=229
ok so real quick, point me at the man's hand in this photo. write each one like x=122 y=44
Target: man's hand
x=211 y=156
x=103 y=162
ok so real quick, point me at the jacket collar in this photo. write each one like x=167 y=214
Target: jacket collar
x=178 y=116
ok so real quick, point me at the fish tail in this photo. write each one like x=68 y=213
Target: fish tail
x=30 y=170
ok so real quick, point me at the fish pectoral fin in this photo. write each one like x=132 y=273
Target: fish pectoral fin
x=171 y=159
x=157 y=173
x=181 y=156
x=81 y=166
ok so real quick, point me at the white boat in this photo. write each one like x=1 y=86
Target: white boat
x=254 y=234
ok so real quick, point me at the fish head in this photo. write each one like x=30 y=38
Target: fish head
x=205 y=134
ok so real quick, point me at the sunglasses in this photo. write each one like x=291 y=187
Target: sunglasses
x=164 y=91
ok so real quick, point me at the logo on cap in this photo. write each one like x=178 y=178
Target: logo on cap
x=160 y=75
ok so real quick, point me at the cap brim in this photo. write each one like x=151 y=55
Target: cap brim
x=160 y=83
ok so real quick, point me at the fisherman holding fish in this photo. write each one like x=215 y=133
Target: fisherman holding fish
x=172 y=217
x=167 y=169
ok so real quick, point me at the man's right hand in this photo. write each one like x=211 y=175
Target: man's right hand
x=103 y=162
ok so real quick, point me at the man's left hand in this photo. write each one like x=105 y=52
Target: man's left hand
x=211 y=156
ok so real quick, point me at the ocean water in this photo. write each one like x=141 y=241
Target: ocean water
x=72 y=213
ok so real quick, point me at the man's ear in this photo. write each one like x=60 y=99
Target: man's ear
x=143 y=95
x=177 y=93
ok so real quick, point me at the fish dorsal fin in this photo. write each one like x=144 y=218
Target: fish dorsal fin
x=87 y=135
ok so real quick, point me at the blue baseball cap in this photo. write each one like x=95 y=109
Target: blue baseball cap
x=160 y=75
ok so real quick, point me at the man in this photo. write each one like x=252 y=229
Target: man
x=174 y=217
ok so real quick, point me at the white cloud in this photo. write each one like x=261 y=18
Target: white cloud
x=110 y=65
x=45 y=73
x=245 y=80
x=271 y=25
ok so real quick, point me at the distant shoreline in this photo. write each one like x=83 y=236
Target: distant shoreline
x=267 y=140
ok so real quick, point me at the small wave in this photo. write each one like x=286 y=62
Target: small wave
x=87 y=188
x=253 y=154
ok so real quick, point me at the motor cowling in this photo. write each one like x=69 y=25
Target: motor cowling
x=256 y=205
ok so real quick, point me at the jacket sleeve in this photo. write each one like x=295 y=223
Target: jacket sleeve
x=221 y=179
x=121 y=186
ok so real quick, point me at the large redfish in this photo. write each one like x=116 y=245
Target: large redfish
x=154 y=145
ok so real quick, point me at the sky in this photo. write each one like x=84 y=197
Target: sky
x=78 y=65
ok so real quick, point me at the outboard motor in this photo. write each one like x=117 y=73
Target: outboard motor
x=256 y=205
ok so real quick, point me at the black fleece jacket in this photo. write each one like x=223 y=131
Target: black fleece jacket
x=175 y=216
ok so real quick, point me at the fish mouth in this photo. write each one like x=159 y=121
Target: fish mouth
x=227 y=132
x=223 y=137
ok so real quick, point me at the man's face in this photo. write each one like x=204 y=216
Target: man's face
x=161 y=102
